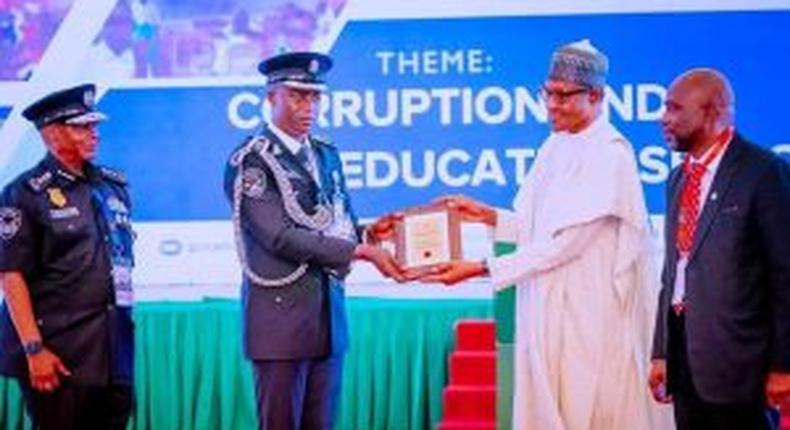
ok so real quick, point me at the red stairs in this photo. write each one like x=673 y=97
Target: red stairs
x=470 y=396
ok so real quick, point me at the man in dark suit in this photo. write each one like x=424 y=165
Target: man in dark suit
x=66 y=328
x=722 y=340
x=296 y=236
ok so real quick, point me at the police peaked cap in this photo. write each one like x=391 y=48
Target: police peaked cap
x=301 y=70
x=70 y=106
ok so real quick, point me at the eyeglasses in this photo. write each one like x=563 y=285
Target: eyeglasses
x=561 y=96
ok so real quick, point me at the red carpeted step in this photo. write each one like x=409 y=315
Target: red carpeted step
x=467 y=425
x=469 y=403
x=475 y=335
x=473 y=368
x=470 y=398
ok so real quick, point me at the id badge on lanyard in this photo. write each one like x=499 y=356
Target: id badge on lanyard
x=116 y=215
x=122 y=281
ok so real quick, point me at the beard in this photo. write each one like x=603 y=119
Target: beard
x=685 y=142
x=680 y=143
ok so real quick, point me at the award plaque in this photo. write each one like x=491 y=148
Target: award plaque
x=428 y=236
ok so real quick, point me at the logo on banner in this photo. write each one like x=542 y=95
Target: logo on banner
x=170 y=247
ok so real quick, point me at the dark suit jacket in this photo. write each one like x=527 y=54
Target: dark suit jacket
x=737 y=278
x=305 y=319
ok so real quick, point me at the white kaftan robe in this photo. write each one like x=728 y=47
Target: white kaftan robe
x=586 y=290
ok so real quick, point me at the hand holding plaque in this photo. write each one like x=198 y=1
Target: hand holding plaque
x=427 y=239
x=468 y=209
x=454 y=272
x=427 y=236
x=383 y=229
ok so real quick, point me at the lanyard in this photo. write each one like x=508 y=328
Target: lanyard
x=115 y=221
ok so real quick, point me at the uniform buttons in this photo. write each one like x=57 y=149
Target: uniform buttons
x=278 y=300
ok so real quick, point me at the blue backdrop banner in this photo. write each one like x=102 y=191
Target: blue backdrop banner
x=426 y=107
x=418 y=108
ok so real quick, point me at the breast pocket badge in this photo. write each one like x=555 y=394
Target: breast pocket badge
x=56 y=197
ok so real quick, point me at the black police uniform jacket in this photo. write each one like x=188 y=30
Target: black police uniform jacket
x=52 y=231
x=305 y=318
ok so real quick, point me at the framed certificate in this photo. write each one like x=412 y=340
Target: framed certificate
x=428 y=236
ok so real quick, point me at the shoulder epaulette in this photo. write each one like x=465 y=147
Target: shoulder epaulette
x=261 y=143
x=113 y=175
x=40 y=181
x=66 y=175
x=251 y=144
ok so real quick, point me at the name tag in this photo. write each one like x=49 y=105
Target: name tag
x=69 y=212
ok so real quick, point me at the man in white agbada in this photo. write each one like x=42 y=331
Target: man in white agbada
x=585 y=294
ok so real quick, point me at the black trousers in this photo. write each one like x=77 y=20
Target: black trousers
x=694 y=413
x=79 y=407
x=300 y=394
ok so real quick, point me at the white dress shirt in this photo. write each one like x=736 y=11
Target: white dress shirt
x=294 y=146
x=679 y=293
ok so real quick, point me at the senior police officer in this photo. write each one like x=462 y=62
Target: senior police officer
x=66 y=330
x=297 y=235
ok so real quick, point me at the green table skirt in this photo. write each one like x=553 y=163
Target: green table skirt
x=190 y=373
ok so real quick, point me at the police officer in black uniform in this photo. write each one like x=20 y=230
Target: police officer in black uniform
x=66 y=331
x=296 y=236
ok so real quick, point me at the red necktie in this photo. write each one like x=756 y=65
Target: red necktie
x=690 y=194
x=689 y=206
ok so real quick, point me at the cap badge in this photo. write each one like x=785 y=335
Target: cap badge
x=89 y=98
